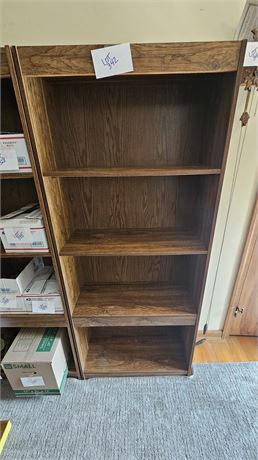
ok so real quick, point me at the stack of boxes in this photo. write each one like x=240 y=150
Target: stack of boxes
x=37 y=361
x=33 y=290
x=23 y=230
x=14 y=156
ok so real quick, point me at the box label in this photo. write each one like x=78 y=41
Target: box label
x=8 y=301
x=8 y=160
x=16 y=235
x=251 y=54
x=19 y=366
x=34 y=381
x=47 y=340
x=112 y=60
x=46 y=306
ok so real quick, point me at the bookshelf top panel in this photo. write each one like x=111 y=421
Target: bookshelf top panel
x=148 y=58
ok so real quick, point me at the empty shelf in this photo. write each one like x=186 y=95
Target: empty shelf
x=134 y=171
x=131 y=355
x=132 y=305
x=132 y=242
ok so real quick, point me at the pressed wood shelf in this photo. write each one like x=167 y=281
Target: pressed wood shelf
x=134 y=172
x=133 y=305
x=24 y=254
x=143 y=354
x=132 y=242
x=32 y=320
x=19 y=175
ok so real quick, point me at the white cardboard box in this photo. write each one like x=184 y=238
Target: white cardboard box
x=18 y=284
x=34 y=290
x=10 y=288
x=42 y=295
x=13 y=154
x=37 y=362
x=23 y=230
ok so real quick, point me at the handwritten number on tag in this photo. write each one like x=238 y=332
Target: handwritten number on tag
x=109 y=61
x=112 y=60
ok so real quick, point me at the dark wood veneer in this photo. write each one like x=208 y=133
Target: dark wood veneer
x=132 y=169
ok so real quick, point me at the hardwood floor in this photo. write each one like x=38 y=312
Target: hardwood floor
x=234 y=348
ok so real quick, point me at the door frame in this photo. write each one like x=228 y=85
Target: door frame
x=242 y=271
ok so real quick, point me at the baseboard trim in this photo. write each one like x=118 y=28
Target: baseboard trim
x=210 y=334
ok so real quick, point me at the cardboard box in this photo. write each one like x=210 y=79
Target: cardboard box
x=34 y=290
x=42 y=295
x=37 y=362
x=23 y=230
x=10 y=288
x=14 y=154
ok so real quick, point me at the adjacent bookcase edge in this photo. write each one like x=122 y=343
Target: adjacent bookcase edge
x=19 y=189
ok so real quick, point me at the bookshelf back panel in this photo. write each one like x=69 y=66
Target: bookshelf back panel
x=17 y=193
x=153 y=202
x=173 y=270
x=140 y=121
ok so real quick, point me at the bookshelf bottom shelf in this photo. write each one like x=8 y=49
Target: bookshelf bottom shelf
x=133 y=351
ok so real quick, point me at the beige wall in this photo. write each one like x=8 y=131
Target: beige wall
x=67 y=22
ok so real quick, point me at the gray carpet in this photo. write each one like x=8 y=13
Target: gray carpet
x=210 y=416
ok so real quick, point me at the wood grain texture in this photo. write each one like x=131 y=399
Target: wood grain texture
x=122 y=355
x=147 y=58
x=132 y=242
x=138 y=123
x=4 y=67
x=18 y=87
x=127 y=305
x=134 y=123
x=82 y=337
x=4 y=176
x=169 y=270
x=31 y=320
x=133 y=172
x=230 y=349
x=245 y=292
x=134 y=202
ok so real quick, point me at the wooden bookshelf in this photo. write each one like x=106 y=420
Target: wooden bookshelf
x=132 y=242
x=131 y=168
x=5 y=176
x=32 y=320
x=132 y=305
x=17 y=190
x=14 y=255
x=133 y=172
x=140 y=351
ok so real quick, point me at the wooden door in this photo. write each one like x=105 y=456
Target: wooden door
x=242 y=317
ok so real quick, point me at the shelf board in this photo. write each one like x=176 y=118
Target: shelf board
x=24 y=254
x=131 y=356
x=134 y=171
x=123 y=242
x=19 y=175
x=133 y=305
x=32 y=320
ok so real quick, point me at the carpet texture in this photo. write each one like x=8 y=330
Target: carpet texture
x=210 y=416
